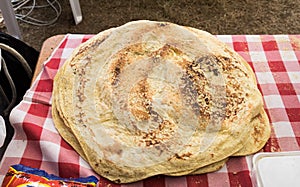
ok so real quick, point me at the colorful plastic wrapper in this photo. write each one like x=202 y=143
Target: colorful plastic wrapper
x=23 y=176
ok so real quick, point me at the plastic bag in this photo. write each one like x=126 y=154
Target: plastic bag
x=14 y=78
x=2 y=131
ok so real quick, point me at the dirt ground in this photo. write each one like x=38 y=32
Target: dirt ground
x=214 y=16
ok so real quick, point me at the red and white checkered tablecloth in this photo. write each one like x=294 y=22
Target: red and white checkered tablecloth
x=275 y=60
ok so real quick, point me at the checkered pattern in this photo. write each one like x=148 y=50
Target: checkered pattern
x=275 y=60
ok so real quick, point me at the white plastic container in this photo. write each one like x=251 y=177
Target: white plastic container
x=276 y=169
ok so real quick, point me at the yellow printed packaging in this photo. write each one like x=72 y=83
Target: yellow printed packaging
x=23 y=176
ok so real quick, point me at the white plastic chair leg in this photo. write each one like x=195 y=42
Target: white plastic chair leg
x=76 y=10
x=10 y=19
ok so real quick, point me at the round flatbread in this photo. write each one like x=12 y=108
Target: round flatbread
x=150 y=98
x=258 y=136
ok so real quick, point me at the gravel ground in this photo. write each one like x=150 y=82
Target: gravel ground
x=214 y=16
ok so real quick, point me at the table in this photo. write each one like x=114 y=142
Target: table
x=49 y=45
x=274 y=58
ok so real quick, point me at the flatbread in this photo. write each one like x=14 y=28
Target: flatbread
x=150 y=98
x=65 y=132
x=68 y=136
x=258 y=136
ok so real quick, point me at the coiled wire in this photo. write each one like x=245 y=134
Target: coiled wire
x=21 y=6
